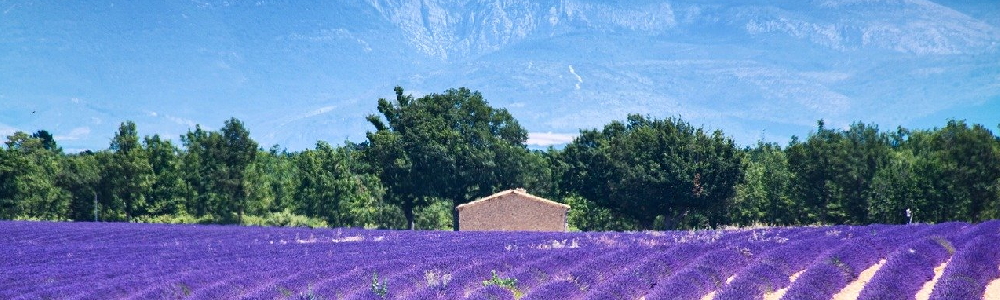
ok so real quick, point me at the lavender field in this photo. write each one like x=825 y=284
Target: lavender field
x=43 y=260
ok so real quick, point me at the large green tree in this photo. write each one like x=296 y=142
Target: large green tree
x=329 y=189
x=765 y=193
x=274 y=178
x=647 y=168
x=898 y=187
x=128 y=175
x=29 y=168
x=166 y=196
x=238 y=152
x=215 y=166
x=961 y=168
x=81 y=177
x=970 y=158
x=453 y=146
x=199 y=166
x=834 y=169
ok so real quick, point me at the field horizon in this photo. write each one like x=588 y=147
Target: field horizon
x=53 y=260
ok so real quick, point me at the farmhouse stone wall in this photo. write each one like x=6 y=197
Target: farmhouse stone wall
x=512 y=210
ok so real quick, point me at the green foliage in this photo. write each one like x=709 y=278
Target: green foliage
x=764 y=195
x=239 y=151
x=81 y=178
x=896 y=187
x=272 y=180
x=379 y=288
x=331 y=189
x=215 y=168
x=29 y=179
x=585 y=215
x=182 y=218
x=833 y=171
x=451 y=146
x=508 y=283
x=645 y=168
x=128 y=175
x=284 y=218
x=968 y=165
x=947 y=174
x=435 y=216
x=428 y=154
x=165 y=196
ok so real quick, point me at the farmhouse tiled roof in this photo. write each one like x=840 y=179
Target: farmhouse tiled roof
x=520 y=192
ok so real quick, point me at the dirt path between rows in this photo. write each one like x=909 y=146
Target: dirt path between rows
x=711 y=295
x=925 y=292
x=853 y=289
x=776 y=295
x=992 y=290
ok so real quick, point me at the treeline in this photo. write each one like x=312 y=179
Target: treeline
x=426 y=155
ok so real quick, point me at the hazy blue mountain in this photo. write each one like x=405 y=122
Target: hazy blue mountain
x=299 y=72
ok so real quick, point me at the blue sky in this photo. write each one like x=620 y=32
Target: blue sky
x=301 y=71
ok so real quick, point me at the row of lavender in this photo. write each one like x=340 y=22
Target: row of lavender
x=142 y=261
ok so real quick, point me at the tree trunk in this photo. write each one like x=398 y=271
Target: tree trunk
x=408 y=212
x=454 y=215
x=95 y=206
x=128 y=211
x=242 y=202
x=647 y=223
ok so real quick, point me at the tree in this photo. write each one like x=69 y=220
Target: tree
x=46 y=140
x=765 y=193
x=833 y=171
x=451 y=145
x=329 y=189
x=81 y=178
x=273 y=177
x=166 y=196
x=128 y=173
x=962 y=163
x=199 y=167
x=21 y=141
x=215 y=165
x=28 y=178
x=648 y=168
x=238 y=152
x=898 y=188
x=972 y=161
x=10 y=169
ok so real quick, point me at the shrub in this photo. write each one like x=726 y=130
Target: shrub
x=379 y=287
x=175 y=219
x=284 y=218
x=509 y=284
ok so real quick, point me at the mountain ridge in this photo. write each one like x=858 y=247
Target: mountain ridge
x=296 y=73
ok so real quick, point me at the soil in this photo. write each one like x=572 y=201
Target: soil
x=925 y=292
x=992 y=290
x=776 y=295
x=853 y=289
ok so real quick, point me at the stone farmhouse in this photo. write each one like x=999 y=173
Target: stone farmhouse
x=513 y=210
